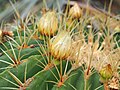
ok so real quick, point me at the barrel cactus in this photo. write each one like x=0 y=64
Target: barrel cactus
x=64 y=58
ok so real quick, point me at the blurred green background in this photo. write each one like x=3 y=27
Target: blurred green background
x=7 y=7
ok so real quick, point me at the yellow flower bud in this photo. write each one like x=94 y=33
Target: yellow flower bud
x=1 y=35
x=70 y=24
x=75 y=11
x=48 y=23
x=60 y=45
x=106 y=73
x=117 y=29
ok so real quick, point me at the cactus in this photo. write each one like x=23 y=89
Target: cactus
x=52 y=55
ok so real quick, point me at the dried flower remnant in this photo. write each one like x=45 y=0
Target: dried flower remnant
x=114 y=83
x=4 y=33
x=9 y=33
